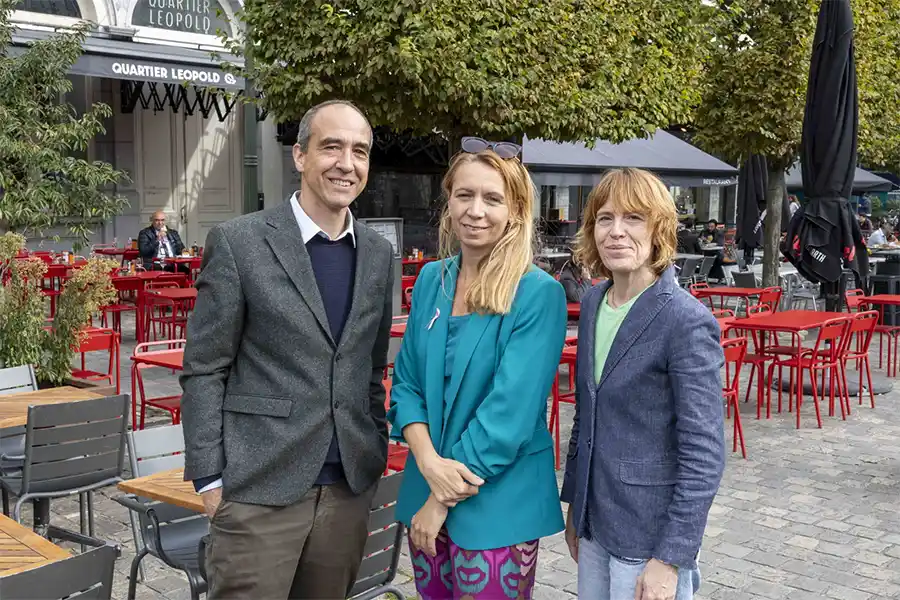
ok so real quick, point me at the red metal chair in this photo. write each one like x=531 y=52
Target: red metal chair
x=771 y=297
x=827 y=355
x=735 y=350
x=397 y=452
x=757 y=359
x=695 y=287
x=854 y=299
x=100 y=340
x=170 y=404
x=569 y=354
x=862 y=329
x=164 y=314
x=892 y=332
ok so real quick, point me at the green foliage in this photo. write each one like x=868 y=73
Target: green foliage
x=21 y=305
x=754 y=86
x=555 y=69
x=24 y=337
x=44 y=183
x=877 y=40
x=89 y=288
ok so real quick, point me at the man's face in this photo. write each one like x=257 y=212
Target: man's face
x=159 y=221
x=335 y=166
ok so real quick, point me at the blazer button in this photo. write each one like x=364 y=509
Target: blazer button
x=338 y=356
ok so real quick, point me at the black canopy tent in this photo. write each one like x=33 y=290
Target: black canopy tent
x=863 y=181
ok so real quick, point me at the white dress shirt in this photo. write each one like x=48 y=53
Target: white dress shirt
x=877 y=238
x=308 y=230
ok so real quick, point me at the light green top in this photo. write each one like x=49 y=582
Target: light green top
x=609 y=320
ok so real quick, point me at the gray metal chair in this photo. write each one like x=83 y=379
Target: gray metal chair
x=688 y=270
x=71 y=448
x=14 y=380
x=170 y=533
x=706 y=266
x=382 y=551
x=744 y=279
x=87 y=576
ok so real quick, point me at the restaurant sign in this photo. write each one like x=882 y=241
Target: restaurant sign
x=190 y=16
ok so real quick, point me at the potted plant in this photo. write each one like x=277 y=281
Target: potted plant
x=25 y=336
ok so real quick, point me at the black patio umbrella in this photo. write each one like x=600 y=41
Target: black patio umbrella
x=824 y=236
x=753 y=180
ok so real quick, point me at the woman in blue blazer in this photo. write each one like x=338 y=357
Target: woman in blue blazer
x=470 y=386
x=647 y=448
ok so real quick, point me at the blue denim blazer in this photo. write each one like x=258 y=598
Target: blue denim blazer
x=495 y=421
x=647 y=449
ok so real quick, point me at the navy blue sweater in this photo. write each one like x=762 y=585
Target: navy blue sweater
x=334 y=264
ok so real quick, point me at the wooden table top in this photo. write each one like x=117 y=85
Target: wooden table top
x=14 y=407
x=22 y=549
x=165 y=486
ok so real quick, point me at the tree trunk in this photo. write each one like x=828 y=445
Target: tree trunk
x=772 y=241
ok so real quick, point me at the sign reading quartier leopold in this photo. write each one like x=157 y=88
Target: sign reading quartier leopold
x=191 y=16
x=155 y=70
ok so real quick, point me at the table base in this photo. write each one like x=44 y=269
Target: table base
x=880 y=385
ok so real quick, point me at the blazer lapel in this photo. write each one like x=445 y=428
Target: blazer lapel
x=436 y=326
x=362 y=279
x=287 y=244
x=587 y=325
x=639 y=318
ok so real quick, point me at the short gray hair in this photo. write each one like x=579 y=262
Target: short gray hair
x=304 y=130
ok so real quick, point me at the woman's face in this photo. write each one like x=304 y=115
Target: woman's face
x=479 y=212
x=623 y=240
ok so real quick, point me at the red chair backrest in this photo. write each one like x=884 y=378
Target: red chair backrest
x=833 y=331
x=771 y=297
x=97 y=340
x=854 y=299
x=722 y=313
x=735 y=350
x=759 y=309
x=407 y=296
x=698 y=286
x=862 y=327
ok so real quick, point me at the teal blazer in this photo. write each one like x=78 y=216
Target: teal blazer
x=496 y=421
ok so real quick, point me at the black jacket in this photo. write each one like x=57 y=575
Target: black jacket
x=148 y=245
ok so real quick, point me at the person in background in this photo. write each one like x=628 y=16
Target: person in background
x=882 y=235
x=647 y=449
x=157 y=242
x=688 y=241
x=794 y=205
x=712 y=235
x=575 y=281
x=865 y=223
x=470 y=386
x=283 y=404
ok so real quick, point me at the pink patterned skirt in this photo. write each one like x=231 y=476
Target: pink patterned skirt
x=457 y=574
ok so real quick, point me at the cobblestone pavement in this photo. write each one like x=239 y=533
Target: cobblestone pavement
x=811 y=514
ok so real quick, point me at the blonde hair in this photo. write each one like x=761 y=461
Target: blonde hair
x=632 y=191
x=494 y=289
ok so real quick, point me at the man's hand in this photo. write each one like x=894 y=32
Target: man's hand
x=211 y=501
x=426 y=524
x=571 y=535
x=160 y=235
x=450 y=481
x=658 y=581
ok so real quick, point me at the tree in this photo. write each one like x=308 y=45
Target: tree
x=554 y=69
x=754 y=90
x=43 y=181
x=878 y=73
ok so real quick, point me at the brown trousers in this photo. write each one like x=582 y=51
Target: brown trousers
x=310 y=550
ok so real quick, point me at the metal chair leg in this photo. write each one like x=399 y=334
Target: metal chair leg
x=132 y=577
x=5 y=495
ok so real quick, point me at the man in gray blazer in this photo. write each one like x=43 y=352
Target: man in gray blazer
x=283 y=403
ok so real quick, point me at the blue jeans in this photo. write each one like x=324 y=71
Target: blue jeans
x=602 y=576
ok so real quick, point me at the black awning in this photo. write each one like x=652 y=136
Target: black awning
x=135 y=61
x=863 y=181
x=676 y=162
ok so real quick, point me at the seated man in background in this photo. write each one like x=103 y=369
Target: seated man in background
x=880 y=236
x=156 y=243
x=688 y=241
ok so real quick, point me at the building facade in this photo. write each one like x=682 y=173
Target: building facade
x=175 y=130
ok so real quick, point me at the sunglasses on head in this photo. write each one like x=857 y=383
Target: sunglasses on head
x=474 y=145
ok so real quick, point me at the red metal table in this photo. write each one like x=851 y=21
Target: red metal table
x=168 y=359
x=574 y=310
x=398 y=330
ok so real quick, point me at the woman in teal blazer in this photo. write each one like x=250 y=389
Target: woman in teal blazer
x=470 y=386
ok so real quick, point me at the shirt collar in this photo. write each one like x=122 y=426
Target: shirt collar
x=309 y=229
